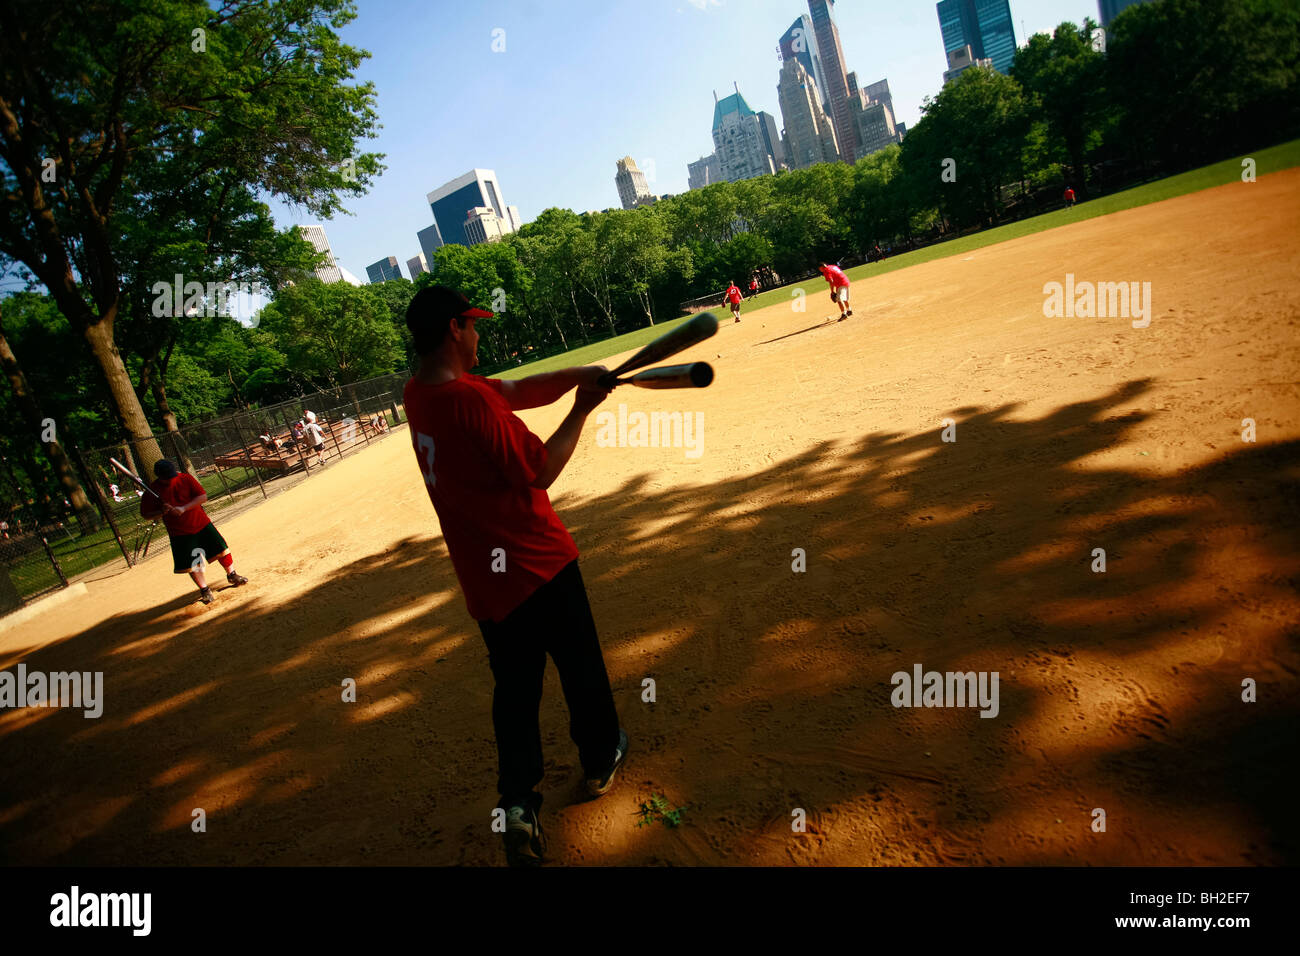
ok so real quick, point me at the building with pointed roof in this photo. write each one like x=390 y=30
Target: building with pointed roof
x=746 y=143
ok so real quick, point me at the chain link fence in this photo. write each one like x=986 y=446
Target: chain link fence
x=241 y=460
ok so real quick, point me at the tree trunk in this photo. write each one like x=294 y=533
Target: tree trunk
x=99 y=336
x=87 y=516
x=170 y=424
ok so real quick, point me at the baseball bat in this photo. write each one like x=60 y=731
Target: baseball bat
x=689 y=333
x=133 y=476
x=692 y=375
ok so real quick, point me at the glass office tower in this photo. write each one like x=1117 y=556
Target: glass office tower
x=984 y=25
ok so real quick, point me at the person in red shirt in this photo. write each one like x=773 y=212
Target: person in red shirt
x=732 y=295
x=487 y=477
x=1069 y=195
x=178 y=499
x=753 y=286
x=839 y=283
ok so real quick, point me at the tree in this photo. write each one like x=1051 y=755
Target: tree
x=1199 y=79
x=43 y=430
x=334 y=333
x=975 y=129
x=144 y=98
x=1063 y=74
x=638 y=242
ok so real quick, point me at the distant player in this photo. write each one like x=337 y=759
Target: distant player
x=316 y=438
x=733 y=296
x=487 y=476
x=753 y=286
x=194 y=538
x=839 y=284
x=1069 y=196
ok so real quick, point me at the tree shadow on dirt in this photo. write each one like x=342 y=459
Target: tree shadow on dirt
x=772 y=687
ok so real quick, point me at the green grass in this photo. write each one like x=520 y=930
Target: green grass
x=1268 y=160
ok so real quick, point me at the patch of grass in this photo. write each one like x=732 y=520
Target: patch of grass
x=658 y=808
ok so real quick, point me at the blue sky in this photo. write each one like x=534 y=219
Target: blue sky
x=581 y=83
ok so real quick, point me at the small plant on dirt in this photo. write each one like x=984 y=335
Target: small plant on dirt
x=659 y=809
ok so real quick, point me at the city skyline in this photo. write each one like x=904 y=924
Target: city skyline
x=550 y=133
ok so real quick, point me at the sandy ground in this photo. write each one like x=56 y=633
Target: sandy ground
x=1119 y=691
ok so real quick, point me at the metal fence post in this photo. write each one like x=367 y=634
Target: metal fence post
x=257 y=473
x=297 y=443
x=106 y=511
x=54 y=561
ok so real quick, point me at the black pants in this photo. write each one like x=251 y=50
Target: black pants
x=556 y=620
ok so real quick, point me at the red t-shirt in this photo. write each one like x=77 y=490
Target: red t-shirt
x=479 y=461
x=733 y=295
x=835 y=275
x=177 y=491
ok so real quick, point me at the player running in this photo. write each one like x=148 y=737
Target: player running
x=194 y=538
x=839 y=283
x=1069 y=195
x=733 y=296
x=487 y=476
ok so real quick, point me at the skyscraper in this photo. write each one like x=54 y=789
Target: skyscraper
x=705 y=171
x=770 y=131
x=430 y=241
x=743 y=139
x=809 y=135
x=482 y=224
x=417 y=264
x=1110 y=9
x=451 y=204
x=872 y=119
x=832 y=57
x=983 y=25
x=330 y=271
x=383 y=270
x=632 y=188
x=878 y=92
x=959 y=61
x=800 y=43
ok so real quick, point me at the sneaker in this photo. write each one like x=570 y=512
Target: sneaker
x=205 y=595
x=599 y=785
x=525 y=842
x=236 y=579
x=848 y=313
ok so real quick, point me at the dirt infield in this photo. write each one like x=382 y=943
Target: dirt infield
x=1119 y=691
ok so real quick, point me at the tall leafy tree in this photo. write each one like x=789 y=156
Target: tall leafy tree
x=109 y=99
x=1199 y=79
x=1063 y=75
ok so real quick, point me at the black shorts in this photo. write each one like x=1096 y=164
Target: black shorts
x=320 y=447
x=207 y=539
